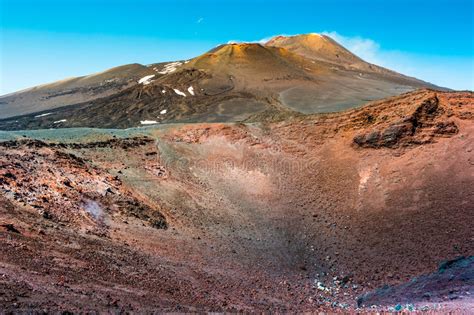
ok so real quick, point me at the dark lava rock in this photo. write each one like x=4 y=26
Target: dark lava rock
x=10 y=228
x=420 y=127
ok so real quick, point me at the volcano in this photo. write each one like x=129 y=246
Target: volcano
x=323 y=48
x=283 y=177
x=286 y=76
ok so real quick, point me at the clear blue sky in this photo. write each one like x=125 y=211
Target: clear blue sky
x=47 y=40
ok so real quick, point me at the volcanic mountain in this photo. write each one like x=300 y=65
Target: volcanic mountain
x=323 y=48
x=287 y=76
x=260 y=184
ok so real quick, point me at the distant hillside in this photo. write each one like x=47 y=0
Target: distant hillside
x=235 y=82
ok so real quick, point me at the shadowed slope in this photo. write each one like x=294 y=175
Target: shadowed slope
x=71 y=91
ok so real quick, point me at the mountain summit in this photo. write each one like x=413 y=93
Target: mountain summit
x=316 y=47
x=323 y=48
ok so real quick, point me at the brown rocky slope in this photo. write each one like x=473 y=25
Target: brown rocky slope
x=300 y=215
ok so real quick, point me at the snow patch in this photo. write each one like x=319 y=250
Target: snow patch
x=146 y=80
x=179 y=92
x=170 y=67
x=148 y=122
x=163 y=91
x=191 y=90
x=163 y=112
x=42 y=115
x=60 y=121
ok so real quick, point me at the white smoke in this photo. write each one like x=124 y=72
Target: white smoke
x=365 y=48
x=94 y=209
x=449 y=71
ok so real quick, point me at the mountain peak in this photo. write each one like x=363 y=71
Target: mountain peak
x=317 y=47
x=298 y=36
x=310 y=39
x=237 y=48
x=235 y=55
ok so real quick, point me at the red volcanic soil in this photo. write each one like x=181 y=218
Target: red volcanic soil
x=307 y=214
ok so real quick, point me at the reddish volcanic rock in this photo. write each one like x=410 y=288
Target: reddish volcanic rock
x=305 y=214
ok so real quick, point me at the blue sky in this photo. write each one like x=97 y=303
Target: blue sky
x=44 y=41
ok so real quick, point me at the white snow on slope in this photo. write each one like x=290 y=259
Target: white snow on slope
x=191 y=90
x=148 y=122
x=179 y=92
x=169 y=68
x=60 y=121
x=163 y=112
x=42 y=115
x=146 y=80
